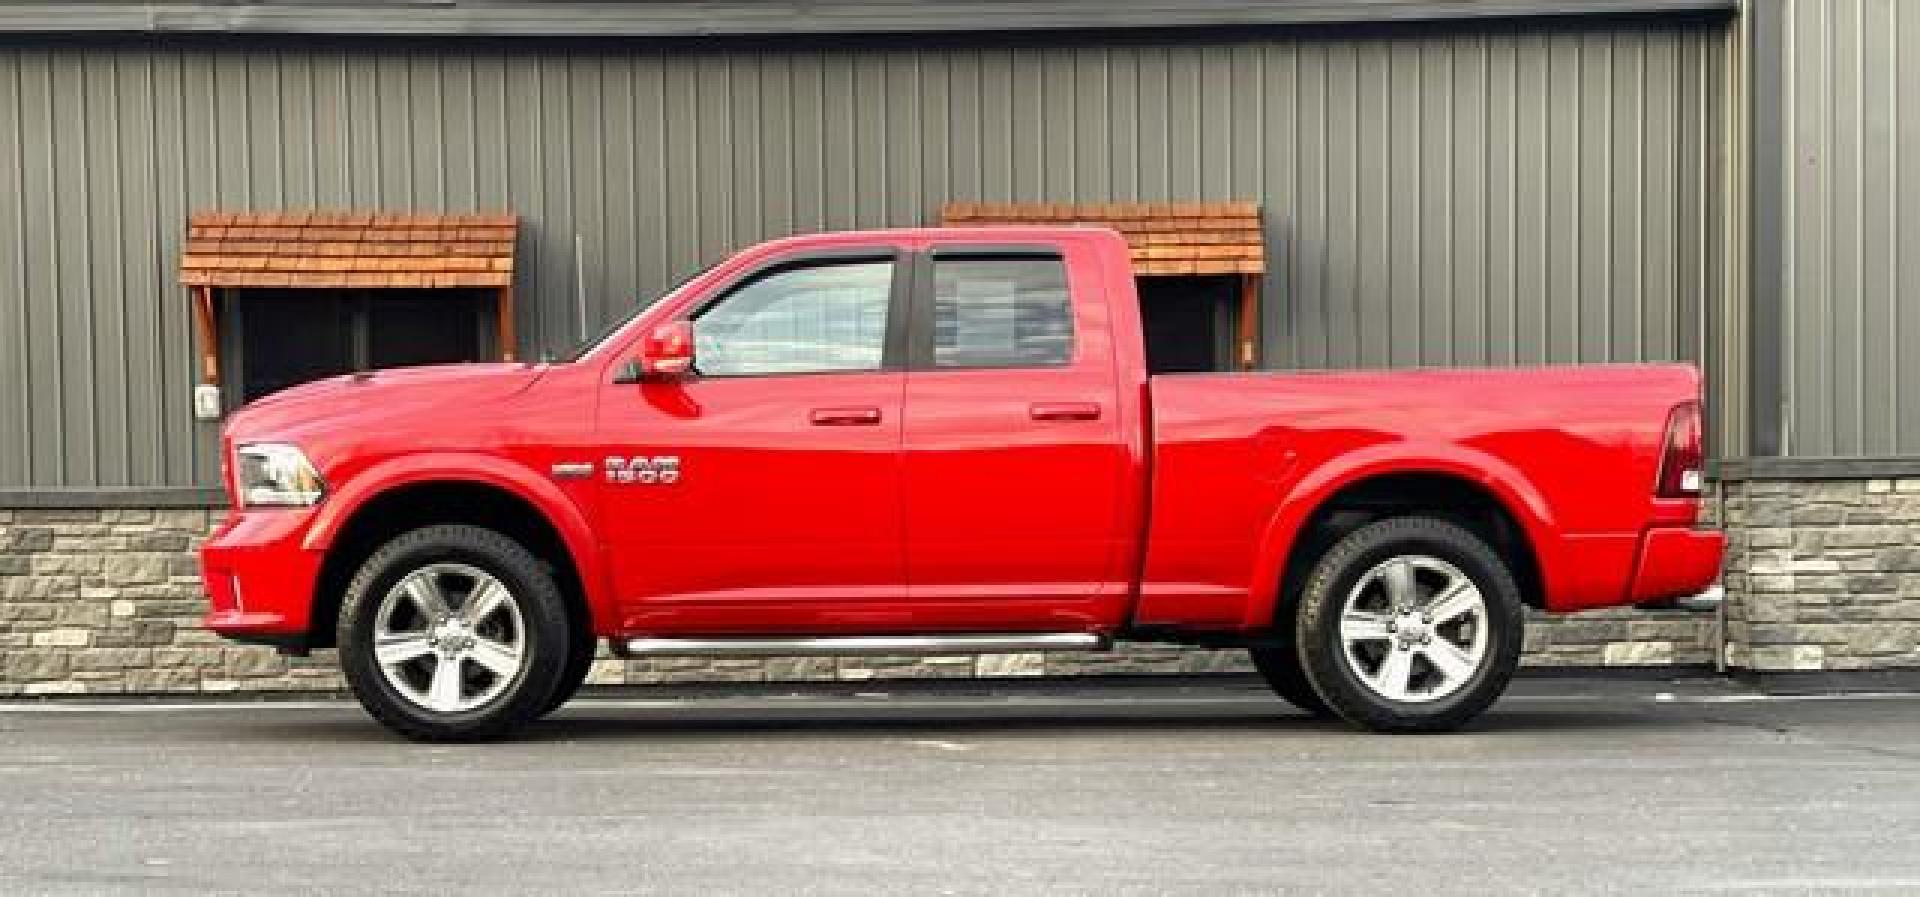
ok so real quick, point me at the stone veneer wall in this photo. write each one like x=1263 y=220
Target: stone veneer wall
x=1828 y=574
x=1822 y=576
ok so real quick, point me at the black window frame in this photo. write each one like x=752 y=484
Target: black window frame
x=920 y=348
x=892 y=351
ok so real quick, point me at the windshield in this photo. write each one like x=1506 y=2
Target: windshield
x=593 y=342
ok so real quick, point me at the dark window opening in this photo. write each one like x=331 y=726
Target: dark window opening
x=1189 y=322
x=276 y=338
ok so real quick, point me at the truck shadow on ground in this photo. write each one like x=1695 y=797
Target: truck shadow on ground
x=614 y=724
x=589 y=724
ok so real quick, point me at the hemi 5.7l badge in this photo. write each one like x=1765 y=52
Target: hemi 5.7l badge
x=663 y=470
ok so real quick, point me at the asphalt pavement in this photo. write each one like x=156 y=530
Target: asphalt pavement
x=1586 y=786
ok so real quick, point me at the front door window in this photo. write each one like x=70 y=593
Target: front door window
x=823 y=319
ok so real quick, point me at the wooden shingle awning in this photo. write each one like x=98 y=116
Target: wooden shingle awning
x=344 y=250
x=348 y=250
x=1166 y=238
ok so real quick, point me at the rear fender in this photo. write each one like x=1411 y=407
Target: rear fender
x=1507 y=485
x=540 y=492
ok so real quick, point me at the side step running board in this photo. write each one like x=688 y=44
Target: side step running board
x=775 y=646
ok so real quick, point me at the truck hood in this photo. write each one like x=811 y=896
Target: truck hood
x=358 y=400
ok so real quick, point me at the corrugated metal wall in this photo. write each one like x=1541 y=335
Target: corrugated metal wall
x=1446 y=196
x=1848 y=269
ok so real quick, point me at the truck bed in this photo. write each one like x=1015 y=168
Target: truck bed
x=1241 y=461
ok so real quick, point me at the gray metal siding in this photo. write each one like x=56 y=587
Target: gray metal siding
x=1499 y=195
x=1847 y=191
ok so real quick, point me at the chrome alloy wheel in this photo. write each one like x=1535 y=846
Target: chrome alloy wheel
x=449 y=637
x=1414 y=629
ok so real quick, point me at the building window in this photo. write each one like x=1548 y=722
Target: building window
x=276 y=338
x=281 y=298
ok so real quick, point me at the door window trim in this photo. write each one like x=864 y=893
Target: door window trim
x=919 y=343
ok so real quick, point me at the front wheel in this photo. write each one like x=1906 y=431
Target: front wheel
x=579 y=664
x=1411 y=624
x=454 y=633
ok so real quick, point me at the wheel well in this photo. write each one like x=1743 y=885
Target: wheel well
x=412 y=506
x=1461 y=501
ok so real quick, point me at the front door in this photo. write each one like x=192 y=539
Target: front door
x=1015 y=461
x=763 y=492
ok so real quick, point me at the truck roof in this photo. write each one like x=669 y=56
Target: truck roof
x=989 y=233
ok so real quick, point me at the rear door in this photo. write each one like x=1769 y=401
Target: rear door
x=1014 y=461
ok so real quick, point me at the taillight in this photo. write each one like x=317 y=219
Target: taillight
x=1681 y=461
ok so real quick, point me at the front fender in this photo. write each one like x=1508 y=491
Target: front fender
x=464 y=467
x=1506 y=483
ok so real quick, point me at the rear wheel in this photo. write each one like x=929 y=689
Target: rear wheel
x=453 y=633
x=1411 y=624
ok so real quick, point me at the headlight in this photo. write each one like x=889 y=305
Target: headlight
x=275 y=475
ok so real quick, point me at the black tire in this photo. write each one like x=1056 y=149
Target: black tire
x=579 y=662
x=544 y=631
x=1365 y=552
x=1279 y=664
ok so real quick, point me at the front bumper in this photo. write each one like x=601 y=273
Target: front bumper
x=1677 y=562
x=259 y=577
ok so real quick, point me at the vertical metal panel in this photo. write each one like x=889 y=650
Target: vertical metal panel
x=1847 y=185
x=16 y=322
x=1495 y=194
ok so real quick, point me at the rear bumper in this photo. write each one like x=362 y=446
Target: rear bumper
x=1676 y=562
x=259 y=579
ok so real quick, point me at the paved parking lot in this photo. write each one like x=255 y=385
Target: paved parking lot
x=1567 y=786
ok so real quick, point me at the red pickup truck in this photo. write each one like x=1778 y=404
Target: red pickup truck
x=941 y=441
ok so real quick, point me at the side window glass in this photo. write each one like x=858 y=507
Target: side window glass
x=818 y=319
x=1001 y=313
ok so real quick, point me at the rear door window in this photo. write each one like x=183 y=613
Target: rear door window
x=1011 y=312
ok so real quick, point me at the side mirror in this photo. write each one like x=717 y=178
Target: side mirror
x=665 y=353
